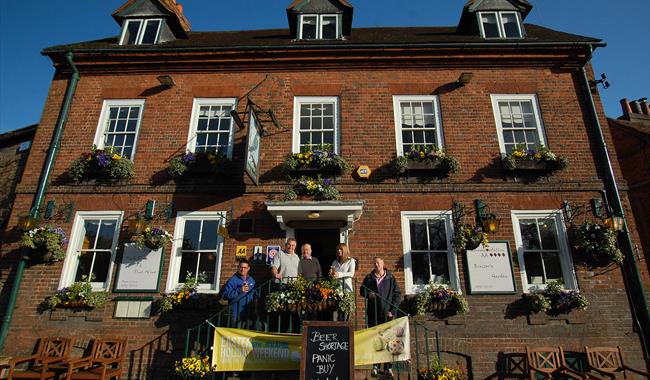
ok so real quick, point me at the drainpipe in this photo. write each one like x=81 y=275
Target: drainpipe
x=631 y=276
x=40 y=192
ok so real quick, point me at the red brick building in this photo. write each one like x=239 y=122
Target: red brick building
x=475 y=91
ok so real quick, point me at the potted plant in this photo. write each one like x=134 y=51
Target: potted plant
x=426 y=158
x=555 y=300
x=187 y=293
x=152 y=238
x=321 y=160
x=47 y=241
x=437 y=371
x=437 y=297
x=197 y=163
x=77 y=296
x=302 y=295
x=319 y=188
x=192 y=367
x=597 y=244
x=469 y=237
x=540 y=160
x=101 y=164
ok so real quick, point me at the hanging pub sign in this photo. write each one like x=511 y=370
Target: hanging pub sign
x=253 y=148
x=139 y=270
x=327 y=351
x=490 y=269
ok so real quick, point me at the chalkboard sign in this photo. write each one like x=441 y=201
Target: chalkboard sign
x=327 y=351
x=489 y=269
x=139 y=270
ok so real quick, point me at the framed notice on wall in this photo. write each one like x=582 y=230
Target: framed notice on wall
x=489 y=270
x=139 y=270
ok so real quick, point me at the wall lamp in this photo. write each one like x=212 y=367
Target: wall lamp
x=27 y=222
x=313 y=215
x=166 y=80
x=464 y=78
x=485 y=218
x=137 y=224
x=614 y=223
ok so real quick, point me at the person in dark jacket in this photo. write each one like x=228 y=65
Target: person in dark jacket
x=239 y=291
x=309 y=266
x=384 y=296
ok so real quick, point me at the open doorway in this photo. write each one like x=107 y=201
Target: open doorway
x=323 y=244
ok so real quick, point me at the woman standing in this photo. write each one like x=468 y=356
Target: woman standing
x=343 y=267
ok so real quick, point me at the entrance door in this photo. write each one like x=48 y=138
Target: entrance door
x=323 y=244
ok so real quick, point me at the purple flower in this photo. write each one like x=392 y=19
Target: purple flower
x=327 y=182
x=188 y=158
x=103 y=159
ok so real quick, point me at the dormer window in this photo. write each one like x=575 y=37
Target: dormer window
x=141 y=31
x=500 y=25
x=319 y=27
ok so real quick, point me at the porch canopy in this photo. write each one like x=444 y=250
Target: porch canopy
x=342 y=213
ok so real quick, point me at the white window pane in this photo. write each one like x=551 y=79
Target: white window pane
x=131 y=33
x=437 y=235
x=188 y=265
x=83 y=265
x=520 y=137
x=429 y=121
x=548 y=233
x=317 y=123
x=204 y=111
x=490 y=26
x=309 y=28
x=150 y=32
x=207 y=266
x=191 y=234
x=527 y=107
x=528 y=229
x=420 y=266
x=304 y=123
x=529 y=121
x=405 y=108
x=439 y=267
x=328 y=123
x=552 y=266
x=428 y=108
x=106 y=233
x=419 y=235
x=510 y=25
x=329 y=28
x=209 y=235
x=101 y=265
x=328 y=109
x=534 y=268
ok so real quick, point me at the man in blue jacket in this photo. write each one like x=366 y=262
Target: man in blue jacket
x=239 y=291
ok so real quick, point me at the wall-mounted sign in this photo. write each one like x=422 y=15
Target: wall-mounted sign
x=363 y=171
x=258 y=253
x=139 y=270
x=327 y=350
x=240 y=253
x=490 y=269
x=253 y=149
x=271 y=251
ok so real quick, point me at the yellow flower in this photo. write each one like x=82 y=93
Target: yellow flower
x=300 y=155
x=538 y=156
x=116 y=157
x=421 y=154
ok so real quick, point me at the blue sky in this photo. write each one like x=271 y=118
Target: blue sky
x=26 y=27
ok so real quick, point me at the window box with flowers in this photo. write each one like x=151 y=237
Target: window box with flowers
x=79 y=295
x=192 y=367
x=321 y=161
x=425 y=159
x=189 y=164
x=438 y=298
x=318 y=188
x=152 y=238
x=596 y=244
x=46 y=243
x=101 y=164
x=301 y=295
x=555 y=300
x=467 y=237
x=187 y=296
x=540 y=160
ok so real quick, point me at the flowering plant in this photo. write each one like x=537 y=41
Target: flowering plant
x=469 y=237
x=187 y=292
x=542 y=154
x=179 y=165
x=426 y=153
x=439 y=372
x=438 y=297
x=79 y=294
x=322 y=158
x=322 y=188
x=302 y=295
x=598 y=242
x=555 y=299
x=101 y=163
x=48 y=240
x=192 y=367
x=152 y=238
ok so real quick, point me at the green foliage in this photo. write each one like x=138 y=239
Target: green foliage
x=469 y=237
x=301 y=294
x=540 y=154
x=193 y=367
x=152 y=238
x=319 y=188
x=555 y=299
x=322 y=158
x=101 y=164
x=188 y=291
x=447 y=164
x=437 y=371
x=598 y=243
x=441 y=295
x=79 y=294
x=211 y=162
x=49 y=241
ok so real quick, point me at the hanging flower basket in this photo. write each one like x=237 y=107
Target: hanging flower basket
x=153 y=238
x=46 y=243
x=596 y=244
x=469 y=237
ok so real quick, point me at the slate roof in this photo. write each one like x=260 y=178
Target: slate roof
x=361 y=37
x=169 y=5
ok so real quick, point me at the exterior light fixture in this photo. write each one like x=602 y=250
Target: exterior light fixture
x=614 y=223
x=490 y=223
x=27 y=222
x=465 y=78
x=137 y=224
x=166 y=80
x=222 y=231
x=313 y=215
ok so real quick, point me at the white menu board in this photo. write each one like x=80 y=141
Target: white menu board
x=139 y=269
x=490 y=269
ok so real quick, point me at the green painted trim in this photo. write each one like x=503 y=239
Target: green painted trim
x=133 y=298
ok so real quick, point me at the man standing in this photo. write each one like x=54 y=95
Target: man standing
x=238 y=291
x=309 y=266
x=285 y=264
x=384 y=296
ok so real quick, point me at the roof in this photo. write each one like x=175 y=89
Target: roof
x=169 y=5
x=280 y=38
x=639 y=126
x=298 y=2
x=18 y=134
x=523 y=5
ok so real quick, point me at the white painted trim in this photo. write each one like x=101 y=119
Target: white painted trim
x=397 y=116
x=495 y=98
x=297 y=101
x=194 y=119
x=103 y=121
x=70 y=262
x=141 y=29
x=452 y=259
x=500 y=27
x=319 y=24
x=177 y=245
x=566 y=259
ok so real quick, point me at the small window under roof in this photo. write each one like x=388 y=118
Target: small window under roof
x=140 y=31
x=319 y=27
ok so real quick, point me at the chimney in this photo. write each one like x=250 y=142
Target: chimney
x=179 y=6
x=625 y=105
x=645 y=108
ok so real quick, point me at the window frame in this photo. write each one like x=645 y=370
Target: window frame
x=143 y=27
x=177 y=246
x=500 y=24
x=297 y=102
x=452 y=257
x=541 y=131
x=397 y=115
x=566 y=258
x=105 y=114
x=319 y=25
x=194 y=121
x=70 y=263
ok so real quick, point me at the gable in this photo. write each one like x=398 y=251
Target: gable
x=299 y=7
x=144 y=8
x=522 y=6
x=320 y=6
x=167 y=9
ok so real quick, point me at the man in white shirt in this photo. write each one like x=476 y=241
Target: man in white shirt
x=285 y=264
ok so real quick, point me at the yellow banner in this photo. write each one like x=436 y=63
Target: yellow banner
x=246 y=350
